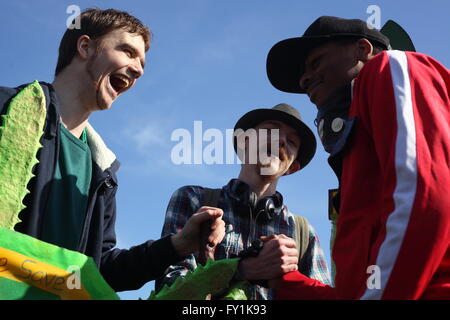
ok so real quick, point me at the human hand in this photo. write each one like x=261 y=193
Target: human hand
x=187 y=240
x=278 y=256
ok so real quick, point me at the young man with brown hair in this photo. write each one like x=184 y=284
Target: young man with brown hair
x=72 y=199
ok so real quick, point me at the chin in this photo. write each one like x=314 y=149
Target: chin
x=315 y=101
x=104 y=106
x=270 y=170
x=318 y=99
x=104 y=103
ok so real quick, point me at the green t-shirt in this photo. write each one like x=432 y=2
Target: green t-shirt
x=68 y=198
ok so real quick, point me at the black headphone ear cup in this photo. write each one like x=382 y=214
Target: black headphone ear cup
x=271 y=206
x=270 y=209
x=253 y=201
x=265 y=209
x=278 y=201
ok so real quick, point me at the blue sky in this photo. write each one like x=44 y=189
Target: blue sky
x=206 y=62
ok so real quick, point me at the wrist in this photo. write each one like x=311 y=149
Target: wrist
x=240 y=271
x=247 y=270
x=247 y=260
x=179 y=244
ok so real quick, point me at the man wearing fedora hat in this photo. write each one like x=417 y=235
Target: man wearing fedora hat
x=384 y=117
x=259 y=227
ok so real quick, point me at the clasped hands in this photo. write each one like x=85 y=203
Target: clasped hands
x=278 y=256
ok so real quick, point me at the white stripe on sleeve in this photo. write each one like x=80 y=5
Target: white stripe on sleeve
x=405 y=169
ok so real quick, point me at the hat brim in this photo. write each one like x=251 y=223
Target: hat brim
x=308 y=142
x=286 y=61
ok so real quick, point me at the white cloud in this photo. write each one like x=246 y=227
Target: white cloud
x=147 y=137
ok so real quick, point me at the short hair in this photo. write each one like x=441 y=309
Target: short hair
x=96 y=23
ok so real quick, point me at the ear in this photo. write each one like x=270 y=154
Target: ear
x=295 y=166
x=84 y=47
x=364 y=50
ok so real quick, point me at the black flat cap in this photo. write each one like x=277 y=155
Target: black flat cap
x=286 y=59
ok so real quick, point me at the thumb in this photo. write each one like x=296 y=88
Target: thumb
x=268 y=238
x=208 y=214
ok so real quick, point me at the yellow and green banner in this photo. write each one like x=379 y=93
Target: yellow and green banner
x=33 y=269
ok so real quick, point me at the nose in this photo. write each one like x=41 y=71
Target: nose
x=136 y=69
x=305 y=80
x=282 y=139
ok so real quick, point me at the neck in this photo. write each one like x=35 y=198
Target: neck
x=263 y=186
x=73 y=109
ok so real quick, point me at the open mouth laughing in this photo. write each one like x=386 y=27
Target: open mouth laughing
x=119 y=83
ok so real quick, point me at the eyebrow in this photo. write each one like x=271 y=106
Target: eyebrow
x=134 y=50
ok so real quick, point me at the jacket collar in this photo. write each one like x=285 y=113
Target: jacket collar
x=101 y=154
x=236 y=187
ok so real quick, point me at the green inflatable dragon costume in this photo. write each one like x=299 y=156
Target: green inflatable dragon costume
x=20 y=134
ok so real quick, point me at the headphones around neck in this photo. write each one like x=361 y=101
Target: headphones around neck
x=263 y=210
x=269 y=207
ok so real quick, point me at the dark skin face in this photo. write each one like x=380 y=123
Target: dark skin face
x=332 y=65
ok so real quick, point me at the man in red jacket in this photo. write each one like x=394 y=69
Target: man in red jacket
x=384 y=117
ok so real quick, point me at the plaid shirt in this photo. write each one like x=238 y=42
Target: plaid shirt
x=240 y=232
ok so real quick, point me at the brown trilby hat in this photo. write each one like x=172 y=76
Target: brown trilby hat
x=288 y=115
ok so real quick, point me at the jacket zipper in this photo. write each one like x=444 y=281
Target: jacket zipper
x=90 y=209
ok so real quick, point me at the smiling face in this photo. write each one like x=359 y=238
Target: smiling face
x=330 y=66
x=276 y=164
x=114 y=63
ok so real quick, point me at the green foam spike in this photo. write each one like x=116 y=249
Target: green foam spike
x=238 y=291
x=21 y=130
x=212 y=278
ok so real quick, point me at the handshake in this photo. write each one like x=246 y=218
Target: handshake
x=278 y=255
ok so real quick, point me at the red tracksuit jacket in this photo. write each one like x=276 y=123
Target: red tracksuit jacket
x=395 y=187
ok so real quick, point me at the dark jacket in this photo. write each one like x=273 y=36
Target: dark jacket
x=122 y=269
